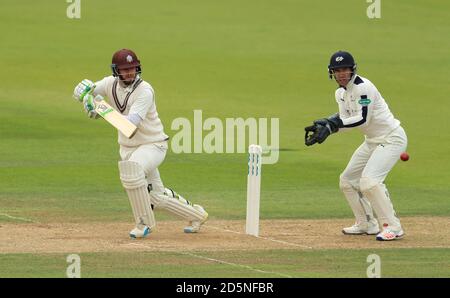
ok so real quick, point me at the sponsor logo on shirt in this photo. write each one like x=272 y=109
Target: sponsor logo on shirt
x=364 y=101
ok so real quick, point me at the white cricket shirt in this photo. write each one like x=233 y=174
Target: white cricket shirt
x=138 y=98
x=361 y=105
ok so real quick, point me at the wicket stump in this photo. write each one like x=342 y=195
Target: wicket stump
x=253 y=189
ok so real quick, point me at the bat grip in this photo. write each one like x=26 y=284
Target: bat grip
x=98 y=98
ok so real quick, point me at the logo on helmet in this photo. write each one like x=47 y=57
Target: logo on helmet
x=129 y=59
x=339 y=59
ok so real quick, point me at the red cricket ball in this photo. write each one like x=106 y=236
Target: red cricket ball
x=404 y=156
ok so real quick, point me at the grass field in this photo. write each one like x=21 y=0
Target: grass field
x=230 y=59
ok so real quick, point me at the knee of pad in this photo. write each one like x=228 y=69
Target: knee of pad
x=132 y=175
x=157 y=199
x=367 y=183
x=344 y=183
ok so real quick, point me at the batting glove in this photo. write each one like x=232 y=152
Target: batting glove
x=89 y=106
x=83 y=88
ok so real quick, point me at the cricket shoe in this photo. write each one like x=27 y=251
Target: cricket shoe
x=389 y=234
x=363 y=228
x=140 y=233
x=194 y=226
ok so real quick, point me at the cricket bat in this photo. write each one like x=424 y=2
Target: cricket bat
x=119 y=121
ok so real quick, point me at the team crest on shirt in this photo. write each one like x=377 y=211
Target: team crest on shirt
x=129 y=59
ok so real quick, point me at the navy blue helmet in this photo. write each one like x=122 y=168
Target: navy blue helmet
x=341 y=59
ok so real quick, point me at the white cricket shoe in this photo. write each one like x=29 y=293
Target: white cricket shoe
x=140 y=233
x=194 y=226
x=389 y=234
x=363 y=228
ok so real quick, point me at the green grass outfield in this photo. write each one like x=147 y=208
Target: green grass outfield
x=233 y=264
x=229 y=59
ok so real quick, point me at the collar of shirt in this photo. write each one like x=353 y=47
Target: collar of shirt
x=351 y=83
x=129 y=88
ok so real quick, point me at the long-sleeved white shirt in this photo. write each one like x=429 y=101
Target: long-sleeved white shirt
x=361 y=105
x=135 y=100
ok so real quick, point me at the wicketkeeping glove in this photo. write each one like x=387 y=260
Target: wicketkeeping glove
x=321 y=129
x=316 y=133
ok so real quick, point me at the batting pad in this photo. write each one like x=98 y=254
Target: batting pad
x=353 y=200
x=378 y=196
x=176 y=204
x=133 y=180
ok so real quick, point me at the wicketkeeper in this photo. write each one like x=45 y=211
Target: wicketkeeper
x=142 y=154
x=362 y=182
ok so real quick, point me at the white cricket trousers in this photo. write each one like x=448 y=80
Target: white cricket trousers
x=362 y=181
x=149 y=157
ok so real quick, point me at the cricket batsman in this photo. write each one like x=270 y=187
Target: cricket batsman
x=362 y=182
x=142 y=154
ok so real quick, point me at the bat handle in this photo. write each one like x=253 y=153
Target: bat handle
x=98 y=98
